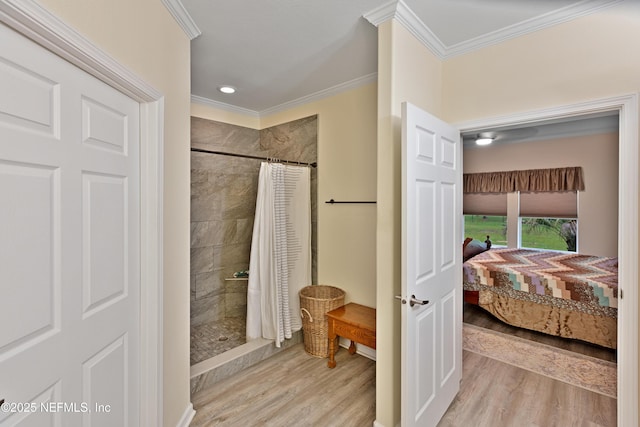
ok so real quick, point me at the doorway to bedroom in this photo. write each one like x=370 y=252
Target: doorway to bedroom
x=551 y=224
x=620 y=165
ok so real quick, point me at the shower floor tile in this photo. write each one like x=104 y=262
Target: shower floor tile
x=214 y=338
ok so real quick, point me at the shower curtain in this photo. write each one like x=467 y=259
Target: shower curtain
x=280 y=261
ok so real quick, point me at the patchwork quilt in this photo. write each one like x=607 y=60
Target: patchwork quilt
x=563 y=294
x=577 y=278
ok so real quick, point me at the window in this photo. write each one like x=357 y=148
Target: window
x=549 y=220
x=480 y=226
x=539 y=207
x=558 y=234
x=485 y=214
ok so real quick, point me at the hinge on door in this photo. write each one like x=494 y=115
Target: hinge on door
x=620 y=294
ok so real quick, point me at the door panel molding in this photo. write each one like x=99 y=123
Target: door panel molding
x=36 y=23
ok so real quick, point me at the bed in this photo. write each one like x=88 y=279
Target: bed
x=563 y=294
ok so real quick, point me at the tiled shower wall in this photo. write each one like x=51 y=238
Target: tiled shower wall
x=223 y=199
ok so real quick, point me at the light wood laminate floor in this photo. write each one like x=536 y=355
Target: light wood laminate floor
x=295 y=389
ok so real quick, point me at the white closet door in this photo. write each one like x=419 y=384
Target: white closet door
x=69 y=243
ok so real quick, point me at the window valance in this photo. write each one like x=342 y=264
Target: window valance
x=532 y=180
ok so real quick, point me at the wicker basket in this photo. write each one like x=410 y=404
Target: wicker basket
x=315 y=302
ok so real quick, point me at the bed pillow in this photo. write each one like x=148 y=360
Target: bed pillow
x=473 y=248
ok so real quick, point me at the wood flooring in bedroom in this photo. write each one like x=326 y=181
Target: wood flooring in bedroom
x=295 y=389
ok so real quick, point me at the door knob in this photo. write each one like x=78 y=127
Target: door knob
x=413 y=301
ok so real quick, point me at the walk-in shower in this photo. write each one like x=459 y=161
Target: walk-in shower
x=225 y=163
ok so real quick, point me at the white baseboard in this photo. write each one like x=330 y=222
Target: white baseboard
x=377 y=424
x=362 y=350
x=187 y=416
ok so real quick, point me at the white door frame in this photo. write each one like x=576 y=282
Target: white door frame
x=627 y=106
x=36 y=23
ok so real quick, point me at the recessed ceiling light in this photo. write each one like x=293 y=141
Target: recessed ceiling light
x=227 y=89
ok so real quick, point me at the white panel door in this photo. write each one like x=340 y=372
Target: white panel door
x=69 y=243
x=431 y=267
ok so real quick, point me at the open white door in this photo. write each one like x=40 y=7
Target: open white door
x=431 y=267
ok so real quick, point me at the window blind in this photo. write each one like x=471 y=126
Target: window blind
x=492 y=204
x=559 y=204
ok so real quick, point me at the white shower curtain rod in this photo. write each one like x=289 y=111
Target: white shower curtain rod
x=247 y=156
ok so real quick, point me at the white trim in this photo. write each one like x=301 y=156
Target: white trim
x=325 y=93
x=151 y=260
x=334 y=90
x=543 y=115
x=182 y=17
x=382 y=13
x=187 y=416
x=538 y=23
x=400 y=11
x=419 y=29
x=628 y=258
x=224 y=107
x=627 y=106
x=33 y=21
x=361 y=349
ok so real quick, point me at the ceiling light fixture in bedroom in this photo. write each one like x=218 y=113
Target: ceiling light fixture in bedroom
x=227 y=89
x=484 y=139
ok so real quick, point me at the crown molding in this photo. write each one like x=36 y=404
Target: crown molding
x=334 y=90
x=182 y=17
x=34 y=21
x=402 y=13
x=559 y=16
x=411 y=22
x=397 y=9
x=223 y=106
x=382 y=13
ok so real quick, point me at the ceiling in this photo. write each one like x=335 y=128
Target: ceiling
x=568 y=127
x=277 y=53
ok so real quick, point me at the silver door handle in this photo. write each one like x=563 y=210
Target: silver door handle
x=413 y=301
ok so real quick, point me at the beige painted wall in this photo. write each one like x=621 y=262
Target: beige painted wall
x=584 y=59
x=346 y=171
x=145 y=38
x=407 y=71
x=598 y=156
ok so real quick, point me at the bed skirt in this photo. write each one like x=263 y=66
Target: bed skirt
x=549 y=319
